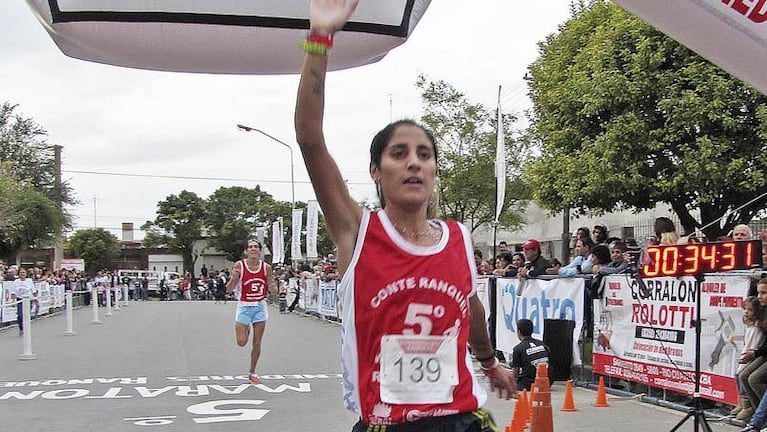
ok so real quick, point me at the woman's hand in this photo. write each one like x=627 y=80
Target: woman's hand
x=501 y=380
x=329 y=16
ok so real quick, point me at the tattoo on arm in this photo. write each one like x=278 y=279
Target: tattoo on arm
x=317 y=84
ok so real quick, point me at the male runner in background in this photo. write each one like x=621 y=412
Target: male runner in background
x=250 y=279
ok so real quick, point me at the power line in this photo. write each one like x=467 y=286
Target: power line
x=172 y=177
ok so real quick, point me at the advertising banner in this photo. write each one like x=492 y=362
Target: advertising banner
x=57 y=296
x=312 y=223
x=537 y=300
x=328 y=298
x=296 y=224
x=483 y=294
x=644 y=332
x=43 y=299
x=312 y=295
x=9 y=306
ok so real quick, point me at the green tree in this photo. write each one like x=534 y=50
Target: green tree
x=28 y=218
x=31 y=158
x=234 y=213
x=9 y=187
x=97 y=246
x=628 y=118
x=30 y=214
x=178 y=225
x=466 y=136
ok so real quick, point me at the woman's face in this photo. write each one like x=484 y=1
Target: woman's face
x=517 y=261
x=408 y=168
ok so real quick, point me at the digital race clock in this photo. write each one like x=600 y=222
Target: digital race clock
x=695 y=258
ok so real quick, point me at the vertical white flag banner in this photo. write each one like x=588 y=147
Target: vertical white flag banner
x=296 y=221
x=312 y=220
x=260 y=237
x=500 y=164
x=276 y=242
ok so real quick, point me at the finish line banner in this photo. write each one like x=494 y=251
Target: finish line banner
x=537 y=300
x=643 y=332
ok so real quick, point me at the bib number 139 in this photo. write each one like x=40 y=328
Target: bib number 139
x=418 y=369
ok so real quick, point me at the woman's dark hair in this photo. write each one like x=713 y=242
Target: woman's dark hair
x=381 y=140
x=584 y=231
x=587 y=241
x=525 y=327
x=602 y=253
x=663 y=225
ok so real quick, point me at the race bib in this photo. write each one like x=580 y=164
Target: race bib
x=418 y=369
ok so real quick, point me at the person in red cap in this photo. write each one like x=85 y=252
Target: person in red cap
x=535 y=263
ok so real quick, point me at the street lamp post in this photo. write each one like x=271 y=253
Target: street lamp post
x=292 y=178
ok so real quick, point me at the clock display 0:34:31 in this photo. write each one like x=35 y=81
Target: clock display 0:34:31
x=691 y=259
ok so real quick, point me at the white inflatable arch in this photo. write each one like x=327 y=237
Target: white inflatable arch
x=218 y=36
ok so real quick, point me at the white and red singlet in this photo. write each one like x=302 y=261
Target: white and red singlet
x=405 y=326
x=252 y=286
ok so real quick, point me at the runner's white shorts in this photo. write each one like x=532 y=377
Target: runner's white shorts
x=251 y=313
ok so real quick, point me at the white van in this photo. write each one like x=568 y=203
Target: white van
x=172 y=279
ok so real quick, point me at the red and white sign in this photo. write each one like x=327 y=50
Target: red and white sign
x=729 y=33
x=643 y=332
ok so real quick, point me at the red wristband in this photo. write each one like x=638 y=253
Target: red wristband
x=326 y=40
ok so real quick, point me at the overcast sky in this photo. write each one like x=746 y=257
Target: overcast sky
x=126 y=121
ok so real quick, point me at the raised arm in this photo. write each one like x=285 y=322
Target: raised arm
x=342 y=213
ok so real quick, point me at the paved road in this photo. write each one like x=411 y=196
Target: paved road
x=174 y=366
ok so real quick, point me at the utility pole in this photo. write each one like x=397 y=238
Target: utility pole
x=58 y=247
x=94 y=210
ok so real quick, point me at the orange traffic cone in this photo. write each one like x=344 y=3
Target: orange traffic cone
x=524 y=406
x=601 y=401
x=518 y=419
x=530 y=402
x=569 y=404
x=542 y=418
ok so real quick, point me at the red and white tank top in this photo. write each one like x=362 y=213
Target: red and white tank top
x=252 y=285
x=405 y=325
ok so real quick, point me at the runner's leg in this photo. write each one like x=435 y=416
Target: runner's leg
x=255 y=352
x=242 y=331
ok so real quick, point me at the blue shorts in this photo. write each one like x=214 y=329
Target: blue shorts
x=251 y=313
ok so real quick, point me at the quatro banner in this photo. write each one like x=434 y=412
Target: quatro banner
x=643 y=332
x=218 y=36
x=537 y=300
x=730 y=33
